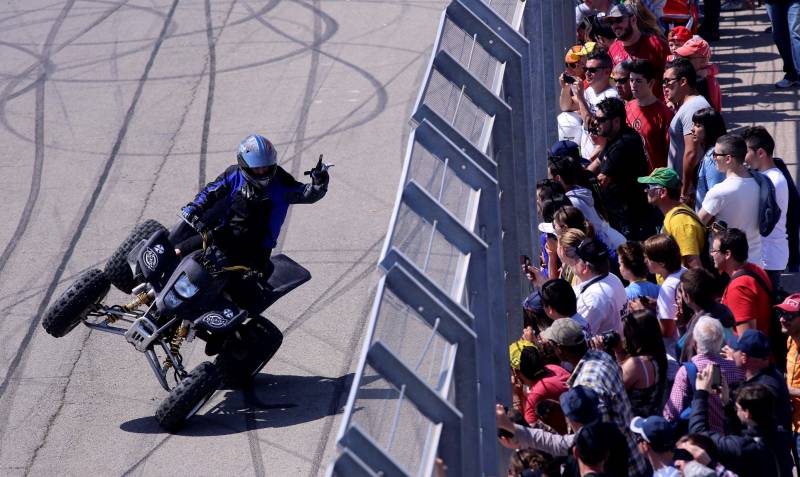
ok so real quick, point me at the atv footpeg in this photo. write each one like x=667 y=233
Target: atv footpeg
x=141 y=334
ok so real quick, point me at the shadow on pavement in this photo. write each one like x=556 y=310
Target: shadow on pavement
x=272 y=401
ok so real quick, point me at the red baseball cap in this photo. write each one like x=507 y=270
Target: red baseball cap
x=791 y=304
x=679 y=33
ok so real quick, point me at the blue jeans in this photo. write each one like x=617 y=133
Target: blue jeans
x=785 y=19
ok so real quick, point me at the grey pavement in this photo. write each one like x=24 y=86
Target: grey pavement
x=749 y=67
x=114 y=112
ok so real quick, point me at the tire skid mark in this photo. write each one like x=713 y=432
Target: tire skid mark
x=230 y=69
x=380 y=95
x=212 y=78
x=36 y=290
x=22 y=13
x=306 y=314
x=256 y=455
x=308 y=97
x=8 y=92
x=38 y=161
x=61 y=395
x=300 y=131
x=147 y=455
x=39 y=146
x=341 y=388
x=7 y=391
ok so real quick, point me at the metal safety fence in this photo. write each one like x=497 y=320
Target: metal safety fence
x=435 y=355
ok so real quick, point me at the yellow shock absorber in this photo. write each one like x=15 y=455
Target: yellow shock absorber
x=142 y=298
x=176 y=342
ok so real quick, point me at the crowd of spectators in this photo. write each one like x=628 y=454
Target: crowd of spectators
x=657 y=337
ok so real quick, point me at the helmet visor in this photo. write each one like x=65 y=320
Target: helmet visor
x=260 y=173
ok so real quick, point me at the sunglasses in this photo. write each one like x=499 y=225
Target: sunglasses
x=719 y=226
x=788 y=316
x=614 y=20
x=571 y=65
x=719 y=154
x=668 y=81
x=623 y=79
x=603 y=119
x=594 y=70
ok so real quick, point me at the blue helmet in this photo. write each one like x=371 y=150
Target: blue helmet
x=257 y=160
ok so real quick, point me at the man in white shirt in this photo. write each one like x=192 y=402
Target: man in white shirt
x=775 y=246
x=579 y=103
x=734 y=200
x=602 y=300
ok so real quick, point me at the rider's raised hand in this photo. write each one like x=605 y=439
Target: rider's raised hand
x=320 y=177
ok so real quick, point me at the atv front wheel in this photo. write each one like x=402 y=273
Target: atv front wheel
x=75 y=303
x=188 y=396
x=248 y=350
x=117 y=268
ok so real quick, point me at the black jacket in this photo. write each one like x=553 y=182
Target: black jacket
x=623 y=161
x=248 y=221
x=757 y=452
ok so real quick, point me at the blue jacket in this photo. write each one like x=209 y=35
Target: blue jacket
x=229 y=201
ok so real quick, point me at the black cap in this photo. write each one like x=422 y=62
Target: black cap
x=592 y=251
x=593 y=442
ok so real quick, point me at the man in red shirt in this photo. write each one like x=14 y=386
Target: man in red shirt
x=632 y=44
x=748 y=293
x=647 y=114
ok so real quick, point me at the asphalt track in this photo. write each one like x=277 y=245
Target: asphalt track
x=112 y=112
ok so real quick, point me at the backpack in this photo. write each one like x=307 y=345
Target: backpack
x=768 y=210
x=705 y=255
x=776 y=296
x=792 y=218
x=683 y=418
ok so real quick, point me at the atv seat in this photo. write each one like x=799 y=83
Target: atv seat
x=286 y=276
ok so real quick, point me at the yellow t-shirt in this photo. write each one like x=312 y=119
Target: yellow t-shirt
x=686 y=230
x=793 y=380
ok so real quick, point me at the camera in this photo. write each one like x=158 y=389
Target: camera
x=611 y=339
x=569 y=79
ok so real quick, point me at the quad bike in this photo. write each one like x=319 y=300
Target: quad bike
x=176 y=300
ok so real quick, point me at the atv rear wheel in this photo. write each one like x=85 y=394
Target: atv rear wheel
x=117 y=268
x=248 y=350
x=75 y=303
x=188 y=396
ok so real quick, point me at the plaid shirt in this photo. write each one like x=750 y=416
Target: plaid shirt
x=599 y=371
x=680 y=399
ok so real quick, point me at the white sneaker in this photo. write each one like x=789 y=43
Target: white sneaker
x=732 y=6
x=786 y=83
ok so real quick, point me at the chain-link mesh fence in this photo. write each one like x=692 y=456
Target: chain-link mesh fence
x=435 y=354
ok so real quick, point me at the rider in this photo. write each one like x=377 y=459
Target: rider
x=245 y=207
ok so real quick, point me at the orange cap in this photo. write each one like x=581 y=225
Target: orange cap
x=695 y=47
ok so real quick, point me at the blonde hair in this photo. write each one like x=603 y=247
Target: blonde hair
x=647 y=22
x=570 y=240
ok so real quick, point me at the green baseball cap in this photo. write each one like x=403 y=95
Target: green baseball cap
x=663 y=176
